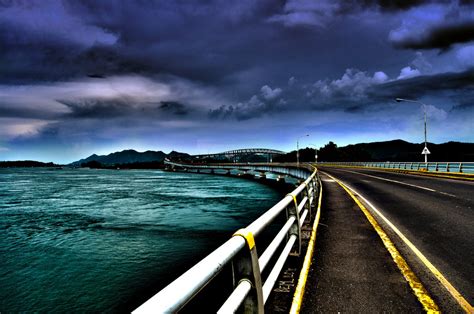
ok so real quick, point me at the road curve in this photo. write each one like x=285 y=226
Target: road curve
x=435 y=214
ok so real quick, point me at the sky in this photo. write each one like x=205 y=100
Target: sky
x=80 y=77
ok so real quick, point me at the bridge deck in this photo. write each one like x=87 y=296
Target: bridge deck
x=351 y=270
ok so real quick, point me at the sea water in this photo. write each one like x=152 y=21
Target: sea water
x=106 y=240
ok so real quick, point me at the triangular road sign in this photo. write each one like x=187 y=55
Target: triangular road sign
x=425 y=151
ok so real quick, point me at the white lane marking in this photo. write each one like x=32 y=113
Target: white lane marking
x=328 y=180
x=399 y=182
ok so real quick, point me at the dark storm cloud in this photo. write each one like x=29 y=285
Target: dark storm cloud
x=205 y=41
x=208 y=70
x=199 y=41
x=398 y=5
x=454 y=83
x=174 y=108
x=40 y=41
x=97 y=109
x=122 y=108
x=441 y=37
x=215 y=42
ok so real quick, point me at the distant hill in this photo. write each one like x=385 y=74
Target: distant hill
x=397 y=150
x=129 y=156
x=25 y=164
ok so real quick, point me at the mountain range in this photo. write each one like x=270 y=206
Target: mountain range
x=130 y=156
x=397 y=150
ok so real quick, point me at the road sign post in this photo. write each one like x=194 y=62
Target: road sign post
x=426 y=152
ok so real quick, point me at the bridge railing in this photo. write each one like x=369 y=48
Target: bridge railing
x=289 y=169
x=251 y=289
x=452 y=167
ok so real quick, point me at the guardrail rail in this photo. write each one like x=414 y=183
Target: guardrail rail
x=251 y=288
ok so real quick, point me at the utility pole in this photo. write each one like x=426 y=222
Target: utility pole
x=425 y=151
x=298 y=150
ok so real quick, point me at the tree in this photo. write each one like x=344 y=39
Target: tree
x=329 y=152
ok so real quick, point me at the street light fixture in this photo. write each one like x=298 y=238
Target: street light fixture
x=298 y=150
x=425 y=150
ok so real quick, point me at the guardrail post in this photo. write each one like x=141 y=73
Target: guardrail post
x=460 y=167
x=295 y=229
x=245 y=267
x=309 y=201
x=314 y=184
x=447 y=167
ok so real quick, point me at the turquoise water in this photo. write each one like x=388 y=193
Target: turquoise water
x=104 y=240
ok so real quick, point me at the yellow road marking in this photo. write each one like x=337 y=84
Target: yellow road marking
x=299 y=292
x=419 y=290
x=468 y=308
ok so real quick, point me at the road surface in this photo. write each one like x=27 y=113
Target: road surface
x=435 y=214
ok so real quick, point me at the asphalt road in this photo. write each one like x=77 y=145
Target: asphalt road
x=435 y=214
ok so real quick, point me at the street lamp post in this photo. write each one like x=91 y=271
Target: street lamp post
x=298 y=150
x=425 y=150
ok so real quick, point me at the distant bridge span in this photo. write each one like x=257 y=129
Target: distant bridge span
x=241 y=152
x=244 y=151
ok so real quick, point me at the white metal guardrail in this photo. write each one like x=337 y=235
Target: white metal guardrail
x=251 y=290
x=453 y=167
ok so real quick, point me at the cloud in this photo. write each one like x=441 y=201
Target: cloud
x=174 y=107
x=78 y=72
x=292 y=81
x=319 y=14
x=466 y=55
x=395 y=5
x=346 y=92
x=421 y=63
x=352 y=84
x=436 y=113
x=83 y=37
x=440 y=37
x=435 y=26
x=104 y=106
x=408 y=72
x=34 y=18
x=269 y=94
x=379 y=77
x=99 y=108
x=253 y=108
x=458 y=87
x=14 y=127
x=305 y=13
